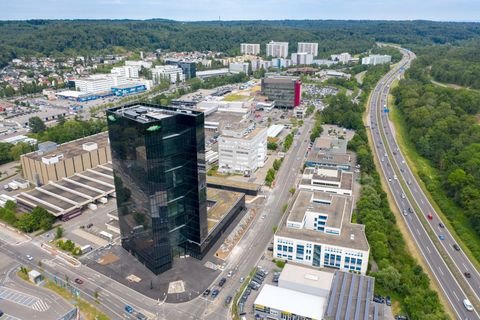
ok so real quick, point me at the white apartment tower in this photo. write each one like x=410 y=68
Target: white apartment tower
x=277 y=49
x=308 y=47
x=250 y=48
x=302 y=58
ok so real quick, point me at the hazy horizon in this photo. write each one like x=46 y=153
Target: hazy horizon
x=228 y=10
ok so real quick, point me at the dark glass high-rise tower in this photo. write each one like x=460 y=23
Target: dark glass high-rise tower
x=158 y=157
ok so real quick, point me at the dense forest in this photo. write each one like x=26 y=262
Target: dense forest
x=396 y=273
x=453 y=64
x=442 y=124
x=86 y=37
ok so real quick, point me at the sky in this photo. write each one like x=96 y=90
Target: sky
x=194 y=10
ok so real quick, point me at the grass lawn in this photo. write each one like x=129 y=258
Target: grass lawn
x=235 y=97
x=453 y=216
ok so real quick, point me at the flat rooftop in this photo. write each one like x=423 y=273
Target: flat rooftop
x=305 y=276
x=232 y=183
x=65 y=195
x=73 y=148
x=351 y=298
x=291 y=301
x=223 y=201
x=250 y=135
x=329 y=158
x=224 y=117
x=345 y=178
x=321 y=202
x=148 y=113
x=351 y=235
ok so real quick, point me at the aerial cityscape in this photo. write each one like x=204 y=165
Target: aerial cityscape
x=238 y=161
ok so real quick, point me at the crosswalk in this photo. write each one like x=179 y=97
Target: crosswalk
x=23 y=299
x=40 y=305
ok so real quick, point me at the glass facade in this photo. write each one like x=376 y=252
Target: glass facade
x=158 y=157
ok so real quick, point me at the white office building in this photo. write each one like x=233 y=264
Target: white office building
x=375 y=59
x=250 y=48
x=237 y=67
x=342 y=57
x=126 y=71
x=308 y=47
x=318 y=232
x=281 y=63
x=335 y=181
x=302 y=58
x=139 y=64
x=277 y=49
x=171 y=73
x=98 y=83
x=241 y=148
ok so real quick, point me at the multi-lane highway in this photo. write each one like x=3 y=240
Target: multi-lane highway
x=415 y=206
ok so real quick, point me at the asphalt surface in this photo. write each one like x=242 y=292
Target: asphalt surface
x=113 y=296
x=396 y=170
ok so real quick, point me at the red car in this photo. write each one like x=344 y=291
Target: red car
x=429 y=216
x=78 y=281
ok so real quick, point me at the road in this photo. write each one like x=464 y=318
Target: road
x=113 y=296
x=251 y=249
x=406 y=191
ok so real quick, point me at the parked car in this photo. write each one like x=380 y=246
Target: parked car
x=378 y=299
x=29 y=257
x=242 y=279
x=230 y=273
x=222 y=281
x=215 y=293
x=228 y=300
x=206 y=292
x=388 y=301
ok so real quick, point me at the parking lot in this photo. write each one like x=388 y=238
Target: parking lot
x=23 y=299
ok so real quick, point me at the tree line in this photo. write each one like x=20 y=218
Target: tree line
x=62 y=38
x=442 y=125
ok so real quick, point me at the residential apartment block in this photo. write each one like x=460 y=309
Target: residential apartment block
x=308 y=47
x=302 y=58
x=170 y=73
x=250 y=48
x=277 y=49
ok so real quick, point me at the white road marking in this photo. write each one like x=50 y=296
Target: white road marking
x=418 y=231
x=455 y=294
x=428 y=249
x=440 y=269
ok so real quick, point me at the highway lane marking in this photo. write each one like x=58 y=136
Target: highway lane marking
x=465 y=266
x=440 y=269
x=455 y=294
x=418 y=231
x=428 y=249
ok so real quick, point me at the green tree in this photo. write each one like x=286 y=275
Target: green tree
x=20 y=148
x=36 y=125
x=59 y=232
